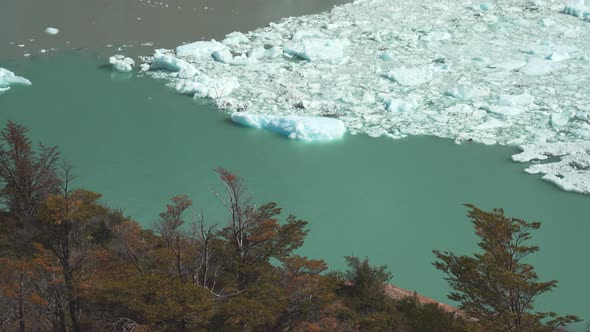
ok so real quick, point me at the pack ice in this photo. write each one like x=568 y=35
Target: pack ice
x=512 y=72
x=8 y=78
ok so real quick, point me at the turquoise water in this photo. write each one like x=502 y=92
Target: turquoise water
x=138 y=143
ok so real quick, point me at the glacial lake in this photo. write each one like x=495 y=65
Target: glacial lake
x=138 y=143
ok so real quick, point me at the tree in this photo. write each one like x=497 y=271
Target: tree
x=71 y=222
x=28 y=177
x=254 y=233
x=496 y=286
x=169 y=226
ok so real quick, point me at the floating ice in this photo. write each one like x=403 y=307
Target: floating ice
x=122 y=63
x=52 y=31
x=163 y=60
x=569 y=173
x=317 y=49
x=295 y=127
x=199 y=50
x=410 y=76
x=511 y=74
x=204 y=87
x=8 y=78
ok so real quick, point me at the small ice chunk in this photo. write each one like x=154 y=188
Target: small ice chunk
x=201 y=50
x=509 y=65
x=516 y=100
x=163 y=60
x=51 y=31
x=235 y=38
x=223 y=55
x=204 y=87
x=386 y=56
x=560 y=119
x=491 y=123
x=466 y=92
x=269 y=38
x=436 y=36
x=121 y=63
x=410 y=76
x=556 y=56
x=304 y=128
x=537 y=67
x=8 y=78
x=485 y=6
x=318 y=49
x=400 y=105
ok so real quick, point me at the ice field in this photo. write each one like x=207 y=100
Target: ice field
x=503 y=72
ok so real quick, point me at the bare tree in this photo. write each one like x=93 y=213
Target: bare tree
x=240 y=207
x=205 y=274
x=169 y=226
x=27 y=176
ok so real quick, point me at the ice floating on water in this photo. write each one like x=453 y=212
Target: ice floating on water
x=204 y=87
x=569 y=173
x=122 y=63
x=163 y=60
x=514 y=73
x=295 y=127
x=52 y=31
x=410 y=76
x=318 y=49
x=8 y=78
x=199 y=50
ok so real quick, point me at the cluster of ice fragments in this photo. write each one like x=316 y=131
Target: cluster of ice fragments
x=121 y=63
x=512 y=72
x=8 y=78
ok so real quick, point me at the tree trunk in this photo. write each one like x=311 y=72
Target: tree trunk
x=21 y=300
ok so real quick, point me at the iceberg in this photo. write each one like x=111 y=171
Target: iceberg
x=8 y=78
x=497 y=75
x=122 y=63
x=295 y=127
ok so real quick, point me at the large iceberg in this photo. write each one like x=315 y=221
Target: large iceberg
x=304 y=128
x=511 y=74
x=8 y=78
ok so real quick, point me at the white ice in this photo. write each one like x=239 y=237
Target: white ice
x=8 y=78
x=511 y=72
x=204 y=87
x=295 y=127
x=51 y=31
x=199 y=50
x=122 y=63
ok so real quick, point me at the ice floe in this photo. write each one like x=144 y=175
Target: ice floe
x=122 y=63
x=295 y=127
x=511 y=72
x=570 y=172
x=8 y=78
